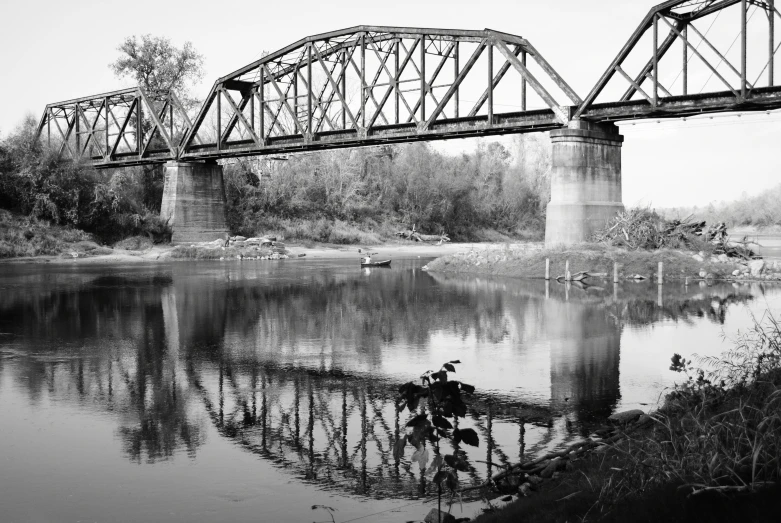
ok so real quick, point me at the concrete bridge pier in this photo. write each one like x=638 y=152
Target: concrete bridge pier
x=585 y=181
x=194 y=202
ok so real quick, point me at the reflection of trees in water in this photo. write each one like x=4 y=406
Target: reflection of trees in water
x=111 y=351
x=156 y=350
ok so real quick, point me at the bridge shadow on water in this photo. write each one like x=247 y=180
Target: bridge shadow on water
x=300 y=366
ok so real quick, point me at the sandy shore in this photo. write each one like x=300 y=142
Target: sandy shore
x=387 y=251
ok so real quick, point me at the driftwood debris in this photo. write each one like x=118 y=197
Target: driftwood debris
x=413 y=235
x=645 y=229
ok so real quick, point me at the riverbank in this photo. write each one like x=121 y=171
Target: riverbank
x=530 y=262
x=709 y=453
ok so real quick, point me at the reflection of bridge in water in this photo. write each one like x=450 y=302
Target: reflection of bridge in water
x=266 y=363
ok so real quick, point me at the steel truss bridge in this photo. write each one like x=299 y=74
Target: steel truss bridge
x=370 y=85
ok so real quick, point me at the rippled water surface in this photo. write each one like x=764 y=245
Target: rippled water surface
x=249 y=392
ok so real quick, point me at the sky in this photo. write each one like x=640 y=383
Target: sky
x=54 y=50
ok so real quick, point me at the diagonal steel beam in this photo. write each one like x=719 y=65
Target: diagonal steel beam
x=240 y=117
x=696 y=52
x=445 y=56
x=456 y=83
x=283 y=100
x=335 y=87
x=533 y=82
x=390 y=89
x=121 y=134
x=498 y=78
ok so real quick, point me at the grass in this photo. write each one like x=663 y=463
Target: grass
x=22 y=236
x=713 y=452
x=594 y=258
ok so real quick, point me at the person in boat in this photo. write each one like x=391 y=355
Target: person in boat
x=366 y=260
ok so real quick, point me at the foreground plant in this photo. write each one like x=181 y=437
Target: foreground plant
x=440 y=401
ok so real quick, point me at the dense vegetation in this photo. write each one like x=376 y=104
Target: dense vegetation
x=710 y=453
x=366 y=195
x=762 y=210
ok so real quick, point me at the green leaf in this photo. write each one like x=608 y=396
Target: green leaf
x=456 y=462
x=468 y=436
x=455 y=361
x=469 y=389
x=421 y=456
x=441 y=422
x=449 y=367
x=436 y=464
x=418 y=421
x=398 y=448
x=440 y=476
x=451 y=481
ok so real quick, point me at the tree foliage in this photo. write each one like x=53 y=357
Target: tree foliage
x=157 y=65
x=395 y=186
x=36 y=183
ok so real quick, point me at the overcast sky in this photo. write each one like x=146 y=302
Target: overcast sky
x=56 y=50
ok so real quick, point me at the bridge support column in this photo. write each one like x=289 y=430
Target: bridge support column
x=585 y=181
x=194 y=202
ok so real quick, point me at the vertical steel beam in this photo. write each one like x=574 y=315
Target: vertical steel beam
x=743 y=49
x=49 y=128
x=262 y=112
x=252 y=111
x=139 y=127
x=772 y=42
x=523 y=83
x=219 y=118
x=309 y=90
x=171 y=121
x=455 y=75
x=685 y=69
x=295 y=94
x=77 y=129
x=423 y=78
x=363 y=81
x=490 y=83
x=655 y=94
x=396 y=47
x=105 y=106
x=344 y=88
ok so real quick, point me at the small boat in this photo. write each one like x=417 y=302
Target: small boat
x=384 y=263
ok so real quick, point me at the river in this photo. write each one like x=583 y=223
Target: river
x=250 y=391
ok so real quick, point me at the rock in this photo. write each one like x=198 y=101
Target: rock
x=702 y=273
x=514 y=481
x=626 y=417
x=736 y=272
x=644 y=420
x=525 y=490
x=301 y=255
x=698 y=258
x=723 y=258
x=714 y=259
x=534 y=480
x=437 y=516
x=548 y=471
x=238 y=238
x=757 y=267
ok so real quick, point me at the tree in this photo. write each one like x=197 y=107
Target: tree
x=159 y=66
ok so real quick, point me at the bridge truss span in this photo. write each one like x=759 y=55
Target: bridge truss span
x=689 y=57
x=125 y=127
x=367 y=85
